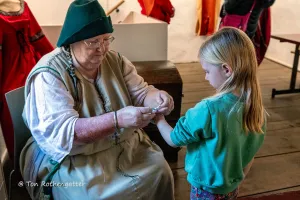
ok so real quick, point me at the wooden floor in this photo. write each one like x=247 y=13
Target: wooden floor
x=277 y=164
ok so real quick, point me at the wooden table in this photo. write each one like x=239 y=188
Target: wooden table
x=294 y=39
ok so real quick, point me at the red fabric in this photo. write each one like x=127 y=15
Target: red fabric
x=262 y=36
x=147 y=6
x=208 y=17
x=23 y=44
x=162 y=10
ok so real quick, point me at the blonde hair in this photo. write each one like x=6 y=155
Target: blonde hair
x=233 y=47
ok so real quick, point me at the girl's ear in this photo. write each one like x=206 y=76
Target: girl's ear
x=227 y=70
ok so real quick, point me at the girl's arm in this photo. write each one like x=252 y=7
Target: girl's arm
x=164 y=128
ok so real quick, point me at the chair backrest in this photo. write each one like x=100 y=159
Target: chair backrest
x=15 y=101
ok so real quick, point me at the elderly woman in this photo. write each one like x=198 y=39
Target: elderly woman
x=85 y=107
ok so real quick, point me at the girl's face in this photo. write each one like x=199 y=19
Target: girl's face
x=214 y=74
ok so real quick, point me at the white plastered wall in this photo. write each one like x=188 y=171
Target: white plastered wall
x=285 y=20
x=183 y=45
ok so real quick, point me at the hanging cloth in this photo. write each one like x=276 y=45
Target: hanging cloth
x=159 y=9
x=148 y=5
x=22 y=44
x=207 y=16
x=262 y=36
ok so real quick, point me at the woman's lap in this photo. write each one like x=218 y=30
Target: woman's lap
x=141 y=172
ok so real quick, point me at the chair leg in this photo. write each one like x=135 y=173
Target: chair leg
x=10 y=184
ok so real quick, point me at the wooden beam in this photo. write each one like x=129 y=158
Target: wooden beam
x=115 y=7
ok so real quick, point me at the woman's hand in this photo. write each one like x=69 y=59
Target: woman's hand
x=134 y=117
x=165 y=102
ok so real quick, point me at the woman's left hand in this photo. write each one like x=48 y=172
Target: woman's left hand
x=165 y=101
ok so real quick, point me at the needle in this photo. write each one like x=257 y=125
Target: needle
x=156 y=108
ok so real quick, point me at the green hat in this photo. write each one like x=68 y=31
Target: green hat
x=85 y=19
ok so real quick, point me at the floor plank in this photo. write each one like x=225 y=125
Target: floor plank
x=281 y=125
x=280 y=142
x=272 y=173
x=288 y=112
x=266 y=175
x=279 y=191
x=182 y=187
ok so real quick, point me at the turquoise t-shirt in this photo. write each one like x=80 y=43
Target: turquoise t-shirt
x=217 y=146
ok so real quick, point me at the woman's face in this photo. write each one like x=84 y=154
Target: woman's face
x=93 y=50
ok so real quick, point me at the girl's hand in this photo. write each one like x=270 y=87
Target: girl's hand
x=158 y=118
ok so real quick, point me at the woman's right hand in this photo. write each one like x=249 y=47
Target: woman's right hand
x=134 y=117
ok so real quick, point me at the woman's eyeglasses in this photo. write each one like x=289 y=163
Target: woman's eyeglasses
x=95 y=45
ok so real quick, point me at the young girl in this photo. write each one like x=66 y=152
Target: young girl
x=223 y=132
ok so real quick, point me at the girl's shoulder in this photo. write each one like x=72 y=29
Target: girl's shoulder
x=214 y=100
x=222 y=102
x=205 y=105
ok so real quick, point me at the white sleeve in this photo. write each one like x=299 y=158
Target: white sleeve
x=50 y=115
x=136 y=85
